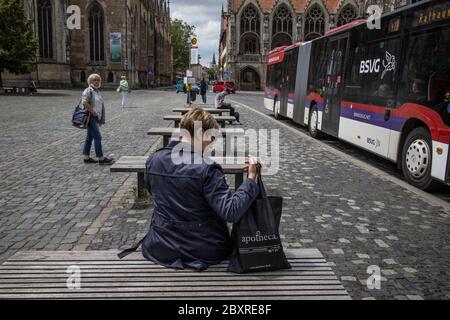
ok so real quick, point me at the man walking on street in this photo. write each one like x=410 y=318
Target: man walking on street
x=203 y=90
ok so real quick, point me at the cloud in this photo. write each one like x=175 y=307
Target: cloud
x=205 y=16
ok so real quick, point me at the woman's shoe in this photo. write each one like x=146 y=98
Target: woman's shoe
x=106 y=161
x=90 y=160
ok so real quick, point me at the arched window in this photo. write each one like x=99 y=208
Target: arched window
x=45 y=29
x=96 y=34
x=250 y=79
x=314 y=23
x=347 y=15
x=282 y=21
x=250 y=21
x=249 y=44
x=281 y=39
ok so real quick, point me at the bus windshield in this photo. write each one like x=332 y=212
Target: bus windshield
x=426 y=71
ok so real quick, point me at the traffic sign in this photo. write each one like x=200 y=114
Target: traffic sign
x=191 y=80
x=194 y=55
x=194 y=41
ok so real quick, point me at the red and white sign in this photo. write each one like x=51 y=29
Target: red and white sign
x=276 y=58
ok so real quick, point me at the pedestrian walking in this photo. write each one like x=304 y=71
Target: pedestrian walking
x=203 y=90
x=219 y=103
x=92 y=101
x=123 y=89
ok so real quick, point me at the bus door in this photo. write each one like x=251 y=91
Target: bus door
x=284 y=90
x=336 y=53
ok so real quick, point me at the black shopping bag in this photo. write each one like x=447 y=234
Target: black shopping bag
x=256 y=237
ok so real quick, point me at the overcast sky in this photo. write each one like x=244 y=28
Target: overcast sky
x=205 y=16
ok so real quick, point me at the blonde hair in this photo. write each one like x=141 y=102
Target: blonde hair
x=198 y=114
x=123 y=77
x=93 y=77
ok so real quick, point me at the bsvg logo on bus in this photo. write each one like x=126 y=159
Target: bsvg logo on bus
x=374 y=65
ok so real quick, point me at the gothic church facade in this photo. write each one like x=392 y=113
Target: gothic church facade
x=115 y=38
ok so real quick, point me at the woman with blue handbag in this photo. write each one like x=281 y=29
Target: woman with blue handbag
x=92 y=101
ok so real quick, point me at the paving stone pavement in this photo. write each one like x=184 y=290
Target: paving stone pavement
x=48 y=197
x=354 y=218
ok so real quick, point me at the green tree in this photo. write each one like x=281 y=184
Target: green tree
x=181 y=35
x=212 y=73
x=18 y=46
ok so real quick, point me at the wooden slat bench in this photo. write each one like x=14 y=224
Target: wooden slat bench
x=220 y=119
x=168 y=133
x=137 y=164
x=201 y=105
x=44 y=275
x=183 y=111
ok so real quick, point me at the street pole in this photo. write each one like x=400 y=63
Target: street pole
x=189 y=91
x=126 y=38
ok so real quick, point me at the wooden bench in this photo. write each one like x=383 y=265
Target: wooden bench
x=183 y=111
x=220 y=119
x=201 y=105
x=19 y=86
x=45 y=275
x=168 y=133
x=137 y=164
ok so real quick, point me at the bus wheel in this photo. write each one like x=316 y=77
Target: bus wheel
x=275 y=111
x=313 y=123
x=416 y=159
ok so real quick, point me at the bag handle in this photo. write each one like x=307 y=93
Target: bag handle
x=262 y=189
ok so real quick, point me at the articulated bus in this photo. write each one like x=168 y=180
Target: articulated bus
x=385 y=90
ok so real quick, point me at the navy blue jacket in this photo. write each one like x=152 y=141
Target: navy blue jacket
x=192 y=204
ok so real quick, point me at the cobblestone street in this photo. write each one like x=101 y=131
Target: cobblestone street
x=50 y=200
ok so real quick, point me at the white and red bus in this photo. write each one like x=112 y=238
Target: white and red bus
x=385 y=90
x=281 y=80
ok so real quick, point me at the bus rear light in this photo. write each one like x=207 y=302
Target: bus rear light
x=439 y=150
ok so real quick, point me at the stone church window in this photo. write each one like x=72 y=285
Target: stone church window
x=249 y=44
x=314 y=23
x=250 y=21
x=347 y=15
x=281 y=39
x=282 y=21
x=45 y=29
x=96 y=34
x=248 y=76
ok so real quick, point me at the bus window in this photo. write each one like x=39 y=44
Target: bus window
x=293 y=70
x=380 y=69
x=353 y=78
x=317 y=71
x=270 y=82
x=426 y=72
x=277 y=75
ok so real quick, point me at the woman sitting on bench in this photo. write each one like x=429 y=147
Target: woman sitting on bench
x=192 y=200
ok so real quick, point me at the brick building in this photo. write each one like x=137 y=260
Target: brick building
x=130 y=37
x=251 y=28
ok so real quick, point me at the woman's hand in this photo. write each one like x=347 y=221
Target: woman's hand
x=253 y=167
